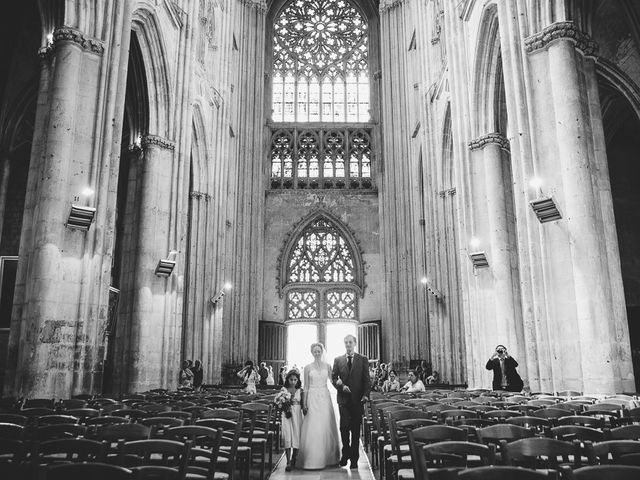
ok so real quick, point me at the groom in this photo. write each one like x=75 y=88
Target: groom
x=350 y=376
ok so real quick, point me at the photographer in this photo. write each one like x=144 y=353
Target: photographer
x=505 y=376
x=249 y=376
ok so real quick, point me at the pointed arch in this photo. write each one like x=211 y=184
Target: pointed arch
x=487 y=73
x=339 y=229
x=147 y=28
x=199 y=151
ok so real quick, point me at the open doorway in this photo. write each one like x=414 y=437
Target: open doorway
x=300 y=336
x=335 y=339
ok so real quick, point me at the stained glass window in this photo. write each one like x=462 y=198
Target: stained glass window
x=320 y=274
x=320 y=63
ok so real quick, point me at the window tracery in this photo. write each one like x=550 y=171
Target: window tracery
x=320 y=63
x=321 y=275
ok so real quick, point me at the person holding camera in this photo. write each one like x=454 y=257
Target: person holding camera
x=505 y=376
x=249 y=376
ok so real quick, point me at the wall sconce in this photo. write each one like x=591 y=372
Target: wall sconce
x=215 y=299
x=431 y=289
x=479 y=259
x=545 y=209
x=165 y=265
x=80 y=217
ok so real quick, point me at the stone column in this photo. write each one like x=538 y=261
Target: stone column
x=149 y=351
x=494 y=146
x=568 y=54
x=49 y=338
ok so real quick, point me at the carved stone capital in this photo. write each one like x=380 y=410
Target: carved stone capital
x=389 y=5
x=134 y=150
x=559 y=31
x=489 y=139
x=67 y=34
x=158 y=141
x=260 y=5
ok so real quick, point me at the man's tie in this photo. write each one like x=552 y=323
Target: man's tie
x=349 y=358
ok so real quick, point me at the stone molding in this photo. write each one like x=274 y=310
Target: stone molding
x=559 y=31
x=489 y=139
x=68 y=34
x=260 y=5
x=389 y=5
x=158 y=141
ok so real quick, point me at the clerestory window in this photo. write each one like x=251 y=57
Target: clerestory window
x=320 y=63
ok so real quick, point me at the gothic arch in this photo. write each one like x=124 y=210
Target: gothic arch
x=147 y=28
x=487 y=72
x=352 y=243
x=199 y=151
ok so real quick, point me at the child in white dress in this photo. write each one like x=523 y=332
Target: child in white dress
x=291 y=425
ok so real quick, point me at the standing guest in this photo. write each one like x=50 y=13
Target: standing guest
x=185 y=378
x=434 y=377
x=198 y=374
x=391 y=384
x=264 y=373
x=249 y=376
x=282 y=375
x=505 y=376
x=414 y=384
x=422 y=371
x=270 y=379
x=291 y=423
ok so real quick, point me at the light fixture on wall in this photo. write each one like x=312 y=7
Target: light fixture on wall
x=545 y=209
x=479 y=259
x=80 y=217
x=215 y=299
x=165 y=265
x=431 y=289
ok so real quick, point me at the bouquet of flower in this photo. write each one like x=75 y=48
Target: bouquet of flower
x=283 y=401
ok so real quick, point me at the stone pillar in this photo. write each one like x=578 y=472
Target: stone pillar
x=53 y=322
x=494 y=146
x=592 y=347
x=147 y=341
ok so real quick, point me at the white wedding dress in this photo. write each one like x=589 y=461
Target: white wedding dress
x=319 y=439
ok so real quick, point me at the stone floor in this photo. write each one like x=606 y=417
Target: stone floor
x=363 y=472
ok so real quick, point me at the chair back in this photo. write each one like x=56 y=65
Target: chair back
x=540 y=452
x=68 y=450
x=11 y=431
x=457 y=454
x=577 y=432
x=13 y=418
x=155 y=452
x=501 y=473
x=626 y=432
x=582 y=420
x=159 y=425
x=607 y=472
x=53 y=432
x=611 y=451
x=509 y=433
x=57 y=419
x=84 y=471
x=541 y=425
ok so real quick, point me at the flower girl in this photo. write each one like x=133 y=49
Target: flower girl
x=289 y=400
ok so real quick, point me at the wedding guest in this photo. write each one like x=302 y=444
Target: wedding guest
x=249 y=376
x=198 y=374
x=434 y=377
x=281 y=375
x=391 y=384
x=505 y=375
x=414 y=384
x=270 y=379
x=292 y=420
x=185 y=379
x=264 y=373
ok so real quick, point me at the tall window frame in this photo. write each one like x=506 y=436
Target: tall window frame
x=346 y=149
x=321 y=272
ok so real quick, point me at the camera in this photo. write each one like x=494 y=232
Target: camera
x=500 y=350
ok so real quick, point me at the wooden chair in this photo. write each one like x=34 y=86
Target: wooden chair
x=11 y=431
x=156 y=472
x=542 y=453
x=228 y=458
x=70 y=404
x=116 y=434
x=131 y=413
x=13 y=418
x=53 y=432
x=185 y=416
x=606 y=472
x=456 y=455
x=84 y=471
x=13 y=454
x=426 y=435
x=82 y=414
x=105 y=420
x=75 y=450
x=260 y=433
x=611 y=451
x=155 y=409
x=500 y=415
x=159 y=425
x=540 y=425
x=155 y=452
x=56 y=420
x=577 y=432
x=400 y=423
x=47 y=403
x=501 y=473
x=450 y=415
x=582 y=420
x=626 y=432
x=203 y=462
x=494 y=434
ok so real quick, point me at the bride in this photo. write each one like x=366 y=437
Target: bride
x=319 y=440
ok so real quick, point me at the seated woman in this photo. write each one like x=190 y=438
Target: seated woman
x=391 y=384
x=434 y=377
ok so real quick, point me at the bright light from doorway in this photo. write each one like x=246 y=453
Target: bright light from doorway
x=300 y=336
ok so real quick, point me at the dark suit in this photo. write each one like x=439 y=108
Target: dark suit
x=350 y=405
x=514 y=382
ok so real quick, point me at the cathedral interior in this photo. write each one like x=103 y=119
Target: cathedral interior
x=235 y=179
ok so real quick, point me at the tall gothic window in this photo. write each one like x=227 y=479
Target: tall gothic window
x=321 y=275
x=320 y=63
